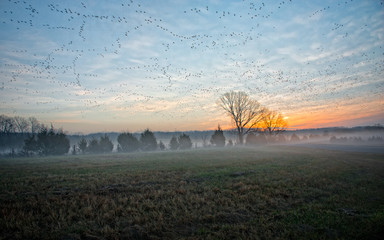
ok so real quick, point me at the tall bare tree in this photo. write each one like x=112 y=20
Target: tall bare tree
x=7 y=124
x=22 y=124
x=34 y=124
x=273 y=122
x=246 y=113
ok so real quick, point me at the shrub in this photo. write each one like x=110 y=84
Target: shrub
x=47 y=142
x=105 y=144
x=174 y=143
x=128 y=142
x=82 y=145
x=185 y=141
x=93 y=146
x=148 y=141
x=253 y=139
x=295 y=138
x=218 y=138
x=161 y=146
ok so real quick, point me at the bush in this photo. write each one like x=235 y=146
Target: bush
x=281 y=138
x=253 y=139
x=161 y=146
x=148 y=141
x=30 y=146
x=218 y=138
x=128 y=142
x=47 y=142
x=105 y=144
x=185 y=141
x=82 y=145
x=295 y=138
x=174 y=144
x=93 y=146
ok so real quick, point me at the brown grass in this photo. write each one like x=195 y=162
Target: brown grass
x=260 y=193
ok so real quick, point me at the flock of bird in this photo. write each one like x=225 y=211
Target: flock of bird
x=146 y=57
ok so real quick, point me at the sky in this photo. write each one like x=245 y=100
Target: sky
x=91 y=66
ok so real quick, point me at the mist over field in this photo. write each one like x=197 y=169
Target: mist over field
x=191 y=119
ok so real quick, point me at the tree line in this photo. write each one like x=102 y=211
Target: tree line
x=249 y=118
x=19 y=124
x=51 y=141
x=128 y=142
x=14 y=130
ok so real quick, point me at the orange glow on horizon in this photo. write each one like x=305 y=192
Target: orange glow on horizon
x=350 y=115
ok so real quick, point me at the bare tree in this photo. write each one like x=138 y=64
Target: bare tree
x=273 y=122
x=7 y=124
x=34 y=124
x=246 y=113
x=21 y=124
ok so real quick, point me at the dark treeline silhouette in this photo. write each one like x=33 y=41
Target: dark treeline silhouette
x=356 y=140
x=129 y=142
x=27 y=137
x=218 y=138
x=19 y=124
x=15 y=130
x=46 y=142
x=102 y=145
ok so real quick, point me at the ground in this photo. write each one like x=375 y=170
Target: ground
x=273 y=192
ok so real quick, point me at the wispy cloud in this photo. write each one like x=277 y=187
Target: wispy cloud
x=152 y=63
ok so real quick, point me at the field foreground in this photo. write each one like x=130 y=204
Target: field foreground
x=239 y=193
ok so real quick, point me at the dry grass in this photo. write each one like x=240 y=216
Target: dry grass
x=260 y=193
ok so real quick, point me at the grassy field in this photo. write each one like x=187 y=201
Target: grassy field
x=260 y=193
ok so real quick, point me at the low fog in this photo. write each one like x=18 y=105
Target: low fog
x=359 y=139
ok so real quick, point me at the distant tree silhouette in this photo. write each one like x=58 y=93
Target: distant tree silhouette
x=281 y=138
x=273 y=122
x=74 y=150
x=313 y=136
x=218 y=139
x=161 y=146
x=184 y=141
x=174 y=143
x=30 y=146
x=105 y=144
x=34 y=125
x=21 y=124
x=230 y=143
x=7 y=124
x=93 y=146
x=51 y=142
x=47 y=142
x=250 y=139
x=245 y=112
x=253 y=139
x=375 y=139
x=148 y=141
x=82 y=145
x=128 y=142
x=205 y=141
x=295 y=138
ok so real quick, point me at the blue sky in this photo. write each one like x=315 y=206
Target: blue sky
x=92 y=66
